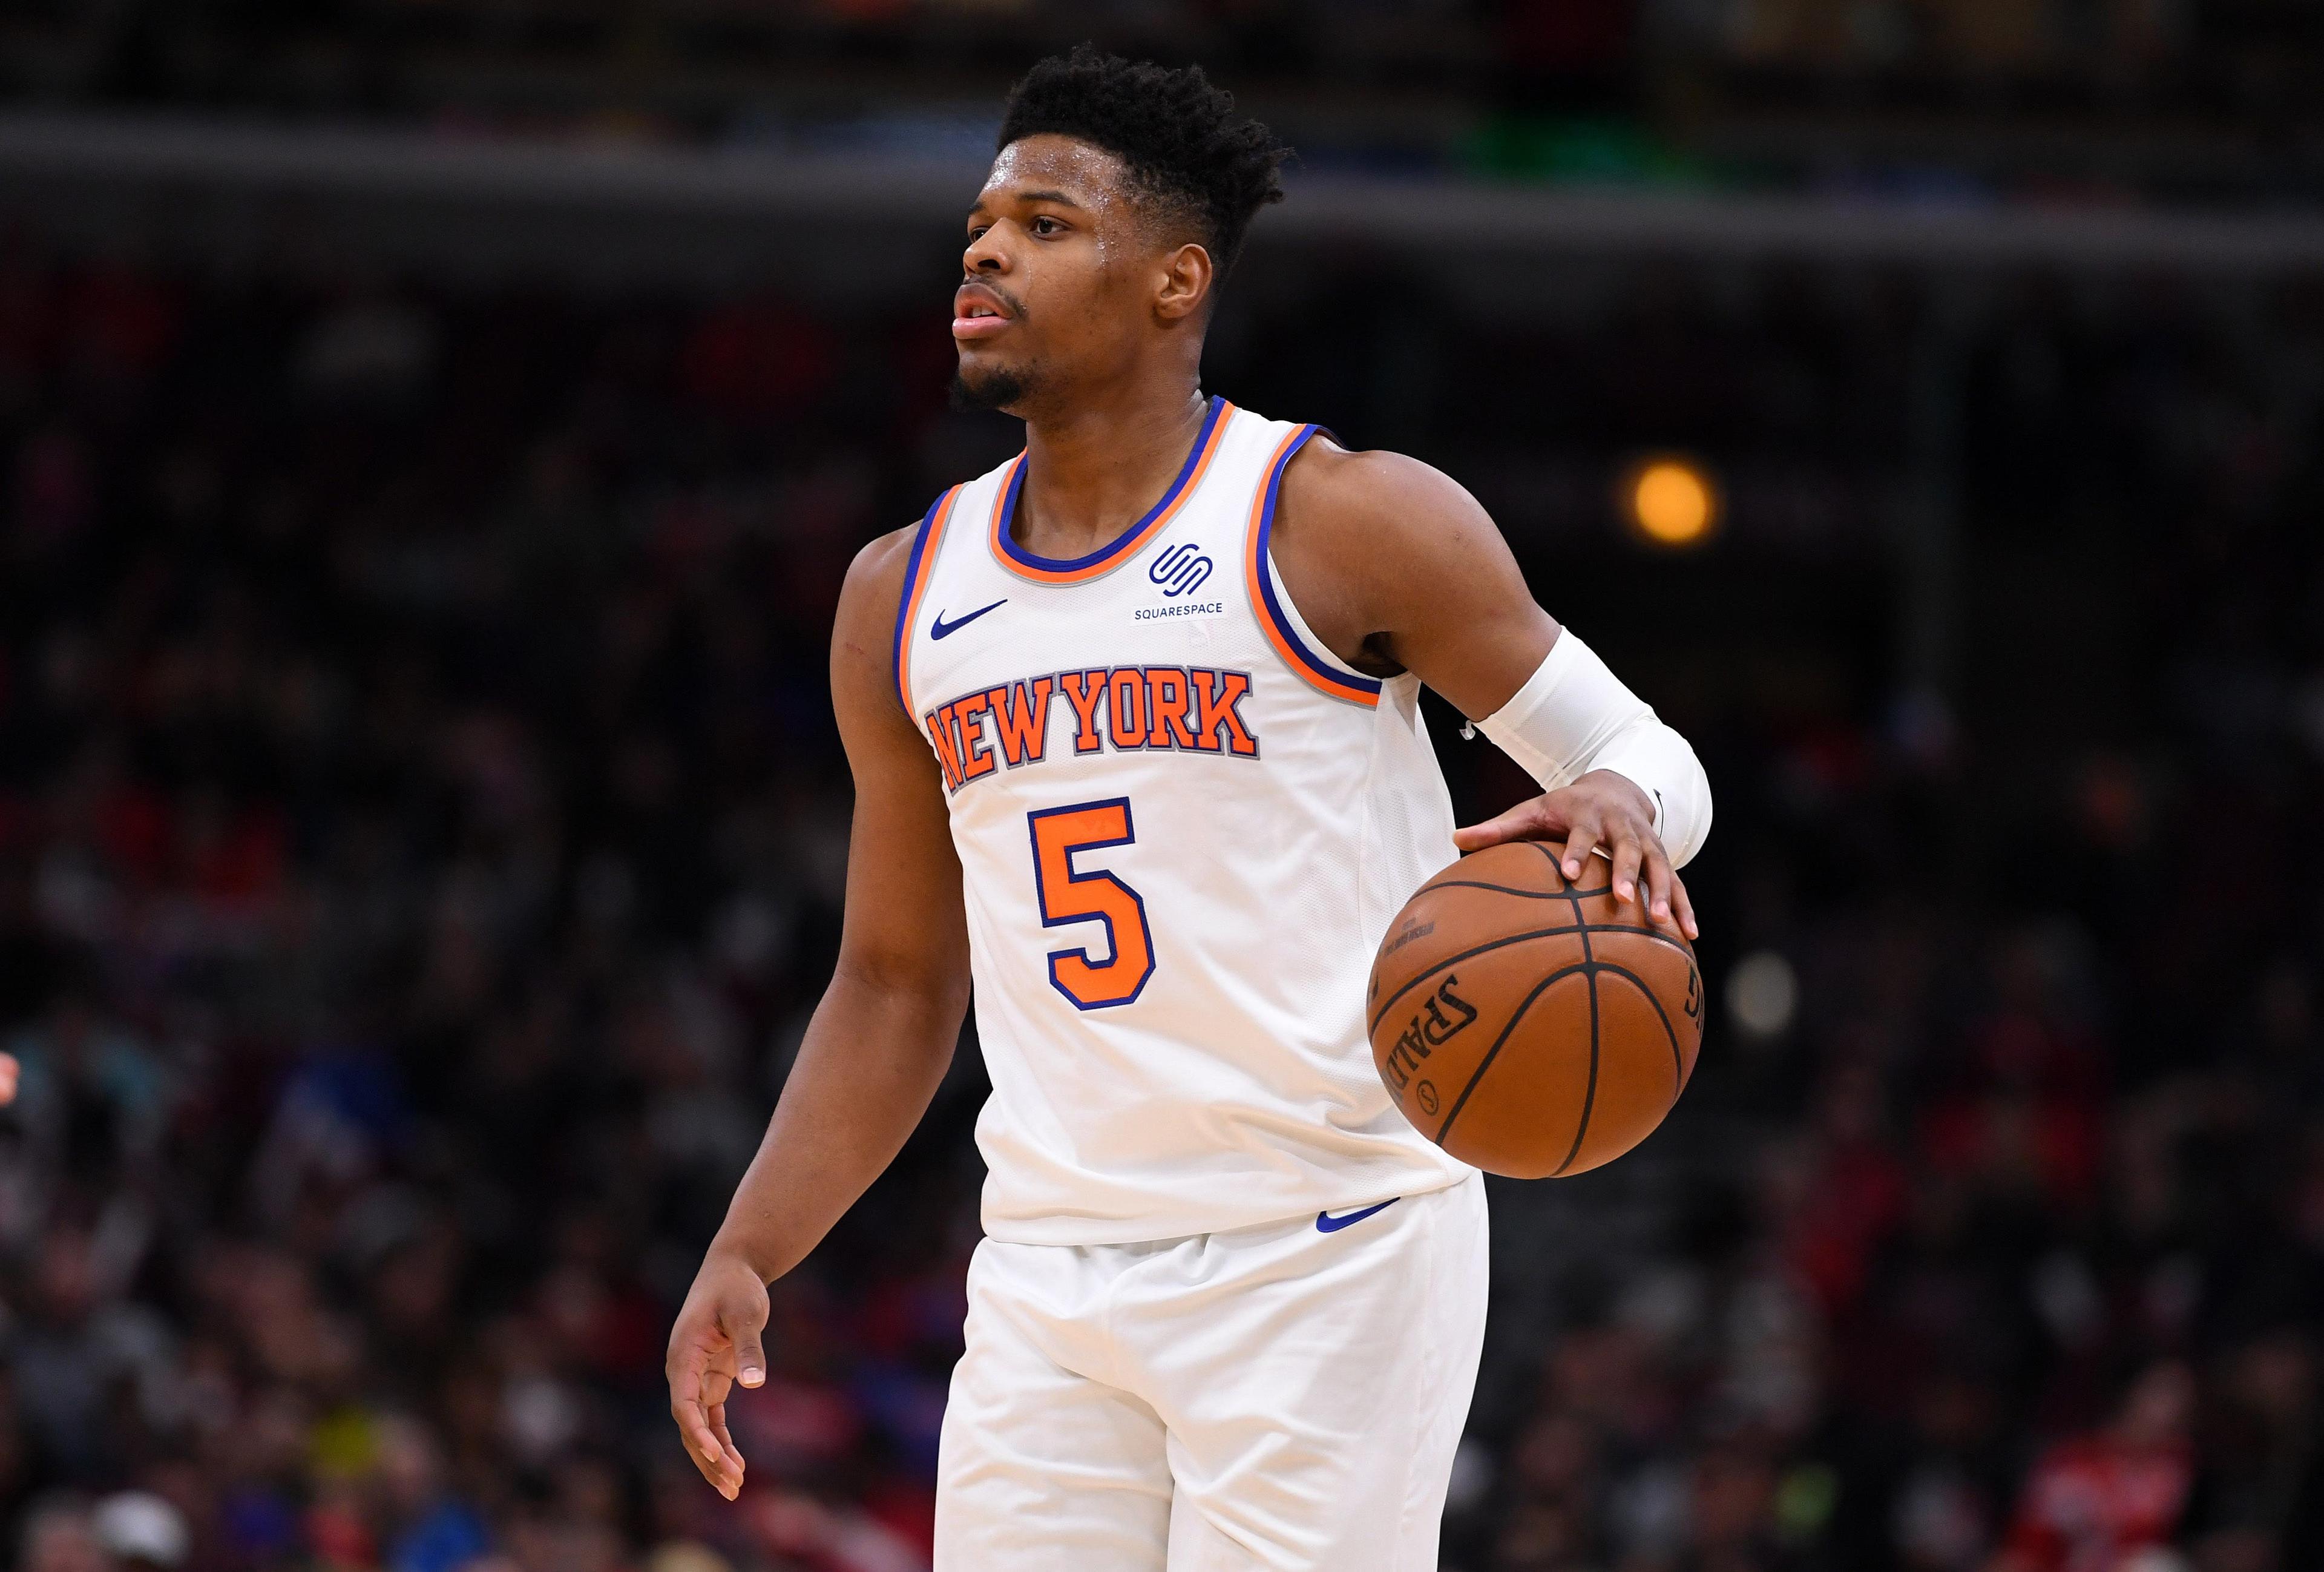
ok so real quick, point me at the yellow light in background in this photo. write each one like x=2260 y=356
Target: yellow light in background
x=1672 y=502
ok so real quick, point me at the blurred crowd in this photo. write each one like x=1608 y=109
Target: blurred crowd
x=2077 y=100
x=421 y=831
x=2056 y=36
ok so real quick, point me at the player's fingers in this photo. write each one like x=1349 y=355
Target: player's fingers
x=701 y=1442
x=1526 y=821
x=1476 y=838
x=1627 y=855
x=1659 y=879
x=9 y=1069
x=1582 y=837
x=1683 y=908
x=725 y=1434
x=691 y=1412
x=743 y=1317
x=750 y=1358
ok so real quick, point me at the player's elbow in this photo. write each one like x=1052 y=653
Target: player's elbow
x=916 y=991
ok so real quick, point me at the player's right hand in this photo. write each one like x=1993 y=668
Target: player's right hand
x=714 y=1347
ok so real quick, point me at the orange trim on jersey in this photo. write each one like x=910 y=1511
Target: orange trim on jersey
x=1308 y=666
x=1048 y=570
x=918 y=571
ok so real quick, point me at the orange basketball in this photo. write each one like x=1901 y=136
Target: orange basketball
x=1529 y=1026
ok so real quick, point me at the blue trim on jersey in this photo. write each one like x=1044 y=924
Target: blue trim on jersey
x=904 y=604
x=1265 y=573
x=1082 y=564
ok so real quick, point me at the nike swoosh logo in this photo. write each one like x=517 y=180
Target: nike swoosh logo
x=945 y=630
x=1327 y=1224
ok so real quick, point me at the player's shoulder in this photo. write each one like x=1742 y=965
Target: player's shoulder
x=872 y=590
x=863 y=630
x=884 y=559
x=876 y=577
x=1369 y=495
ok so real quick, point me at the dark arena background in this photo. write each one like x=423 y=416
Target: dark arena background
x=432 y=433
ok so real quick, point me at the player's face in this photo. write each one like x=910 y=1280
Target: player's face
x=1056 y=276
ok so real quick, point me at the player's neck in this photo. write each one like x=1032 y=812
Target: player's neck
x=1094 y=469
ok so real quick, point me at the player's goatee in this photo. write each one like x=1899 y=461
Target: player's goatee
x=990 y=390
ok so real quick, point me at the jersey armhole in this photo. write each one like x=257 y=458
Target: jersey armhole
x=918 y=569
x=1270 y=603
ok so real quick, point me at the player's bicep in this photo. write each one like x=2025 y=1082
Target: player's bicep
x=1453 y=605
x=905 y=925
x=1405 y=555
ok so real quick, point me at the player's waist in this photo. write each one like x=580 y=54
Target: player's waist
x=1036 y=1203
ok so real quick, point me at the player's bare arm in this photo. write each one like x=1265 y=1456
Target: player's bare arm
x=1397 y=567
x=878 y=1046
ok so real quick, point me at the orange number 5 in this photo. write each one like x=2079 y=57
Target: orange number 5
x=1068 y=896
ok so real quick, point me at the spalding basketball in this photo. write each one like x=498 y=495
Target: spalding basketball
x=1533 y=1027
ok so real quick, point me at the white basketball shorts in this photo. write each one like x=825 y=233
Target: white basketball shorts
x=1287 y=1396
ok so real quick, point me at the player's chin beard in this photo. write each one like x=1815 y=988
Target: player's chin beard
x=996 y=389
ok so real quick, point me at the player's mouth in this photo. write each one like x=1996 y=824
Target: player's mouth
x=978 y=312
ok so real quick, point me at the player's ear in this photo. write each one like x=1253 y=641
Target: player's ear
x=1185 y=282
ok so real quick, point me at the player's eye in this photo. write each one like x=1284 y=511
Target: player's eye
x=976 y=232
x=1046 y=226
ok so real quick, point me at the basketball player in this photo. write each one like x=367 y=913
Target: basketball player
x=1137 y=749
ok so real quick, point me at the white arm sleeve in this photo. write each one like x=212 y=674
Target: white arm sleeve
x=1573 y=716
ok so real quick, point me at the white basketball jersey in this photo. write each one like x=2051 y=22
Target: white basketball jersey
x=1184 y=827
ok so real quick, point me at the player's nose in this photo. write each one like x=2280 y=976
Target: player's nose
x=985 y=255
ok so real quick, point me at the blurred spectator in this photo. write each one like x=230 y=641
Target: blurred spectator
x=2094 y=1501
x=427 y=1526
x=59 y=1537
x=142 y=1532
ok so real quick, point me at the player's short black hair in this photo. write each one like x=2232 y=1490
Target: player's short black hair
x=1186 y=147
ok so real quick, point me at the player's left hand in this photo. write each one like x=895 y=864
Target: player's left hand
x=1602 y=813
